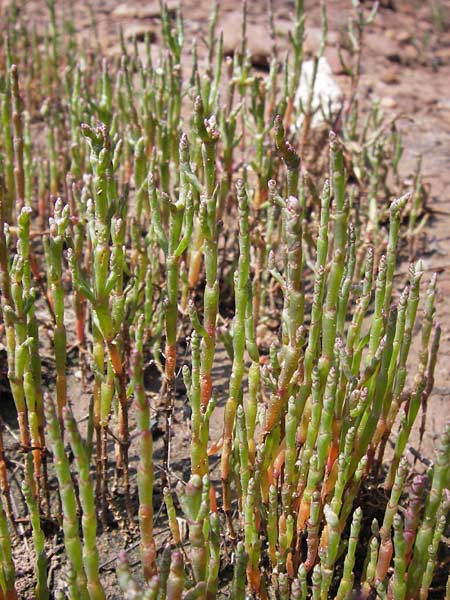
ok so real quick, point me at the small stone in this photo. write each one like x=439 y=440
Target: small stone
x=382 y=46
x=258 y=39
x=408 y=8
x=228 y=6
x=390 y=76
x=444 y=112
x=334 y=61
x=283 y=28
x=445 y=116
x=273 y=323
x=326 y=94
x=265 y=336
x=423 y=12
x=125 y=10
x=147 y=10
x=388 y=102
x=138 y=31
x=313 y=39
x=409 y=54
x=403 y=36
x=444 y=104
x=333 y=38
x=390 y=33
x=443 y=54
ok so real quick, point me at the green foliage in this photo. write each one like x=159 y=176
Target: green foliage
x=183 y=211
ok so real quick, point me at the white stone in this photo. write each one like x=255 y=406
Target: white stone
x=327 y=92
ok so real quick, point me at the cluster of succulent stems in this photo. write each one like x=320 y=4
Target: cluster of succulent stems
x=164 y=220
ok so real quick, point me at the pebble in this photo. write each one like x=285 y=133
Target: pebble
x=388 y=102
x=444 y=104
x=283 y=27
x=273 y=323
x=334 y=61
x=409 y=54
x=443 y=54
x=382 y=46
x=333 y=38
x=145 y=11
x=403 y=36
x=139 y=31
x=228 y=6
x=390 y=33
x=390 y=76
x=327 y=92
x=313 y=39
x=258 y=40
x=408 y=8
x=445 y=116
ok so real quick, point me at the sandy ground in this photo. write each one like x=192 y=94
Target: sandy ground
x=406 y=65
